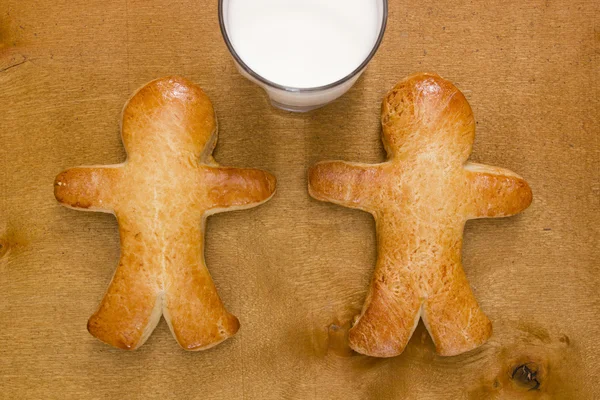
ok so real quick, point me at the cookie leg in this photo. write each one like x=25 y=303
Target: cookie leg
x=389 y=317
x=453 y=318
x=192 y=306
x=195 y=313
x=131 y=307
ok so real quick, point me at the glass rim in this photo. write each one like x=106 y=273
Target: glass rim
x=272 y=84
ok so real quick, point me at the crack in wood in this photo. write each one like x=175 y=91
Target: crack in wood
x=14 y=65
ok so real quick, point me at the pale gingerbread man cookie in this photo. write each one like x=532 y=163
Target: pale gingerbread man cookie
x=421 y=198
x=161 y=197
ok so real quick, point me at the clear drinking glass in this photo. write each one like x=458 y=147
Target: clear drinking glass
x=302 y=99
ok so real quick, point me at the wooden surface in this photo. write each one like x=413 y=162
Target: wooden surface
x=295 y=270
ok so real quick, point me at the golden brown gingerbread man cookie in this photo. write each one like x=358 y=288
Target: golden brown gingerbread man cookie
x=161 y=197
x=421 y=198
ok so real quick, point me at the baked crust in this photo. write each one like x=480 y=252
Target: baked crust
x=421 y=198
x=161 y=197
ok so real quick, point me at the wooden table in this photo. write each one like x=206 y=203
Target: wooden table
x=295 y=271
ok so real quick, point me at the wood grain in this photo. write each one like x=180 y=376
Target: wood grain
x=295 y=270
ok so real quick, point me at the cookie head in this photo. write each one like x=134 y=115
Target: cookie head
x=171 y=114
x=425 y=112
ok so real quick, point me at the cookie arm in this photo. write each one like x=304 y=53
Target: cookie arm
x=87 y=188
x=495 y=192
x=347 y=184
x=237 y=188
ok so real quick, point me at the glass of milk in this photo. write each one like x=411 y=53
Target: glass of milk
x=304 y=53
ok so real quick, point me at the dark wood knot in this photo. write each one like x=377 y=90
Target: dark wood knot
x=526 y=375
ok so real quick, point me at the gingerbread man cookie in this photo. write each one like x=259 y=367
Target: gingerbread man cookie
x=161 y=197
x=421 y=198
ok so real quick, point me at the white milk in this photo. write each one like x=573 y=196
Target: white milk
x=303 y=43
